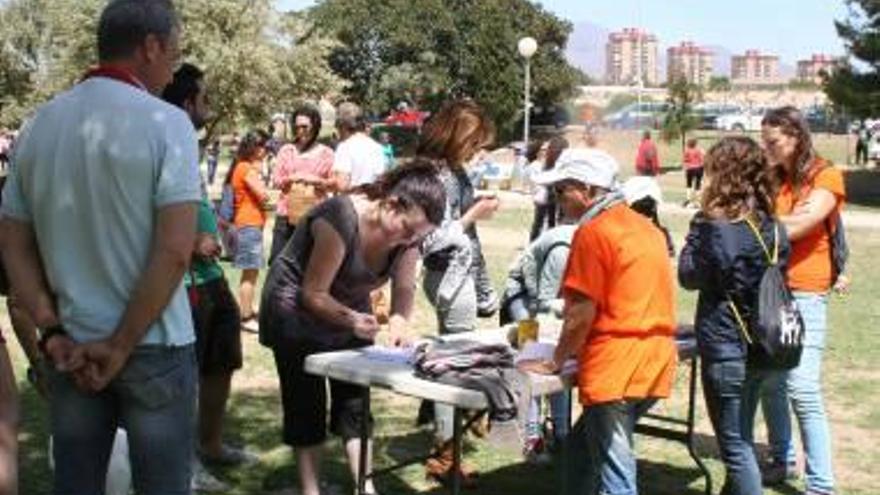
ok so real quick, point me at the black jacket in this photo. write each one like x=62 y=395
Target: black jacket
x=724 y=260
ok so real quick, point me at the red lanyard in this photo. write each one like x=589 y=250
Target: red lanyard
x=116 y=73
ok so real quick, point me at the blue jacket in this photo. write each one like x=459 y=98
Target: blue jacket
x=724 y=260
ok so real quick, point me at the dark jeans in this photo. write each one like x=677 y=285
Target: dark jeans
x=153 y=399
x=543 y=213
x=861 y=153
x=281 y=233
x=725 y=385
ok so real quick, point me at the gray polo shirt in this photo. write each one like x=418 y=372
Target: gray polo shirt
x=90 y=172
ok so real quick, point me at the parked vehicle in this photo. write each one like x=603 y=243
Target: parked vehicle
x=648 y=114
x=822 y=119
x=708 y=113
x=874 y=149
x=746 y=121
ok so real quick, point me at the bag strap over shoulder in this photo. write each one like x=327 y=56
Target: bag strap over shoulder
x=771 y=258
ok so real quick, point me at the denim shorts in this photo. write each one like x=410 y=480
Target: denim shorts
x=249 y=252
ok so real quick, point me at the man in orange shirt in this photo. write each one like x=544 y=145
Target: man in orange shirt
x=619 y=321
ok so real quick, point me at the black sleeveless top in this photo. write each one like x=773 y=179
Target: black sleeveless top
x=282 y=314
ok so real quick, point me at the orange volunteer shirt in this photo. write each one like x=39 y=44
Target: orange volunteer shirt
x=809 y=268
x=619 y=260
x=248 y=212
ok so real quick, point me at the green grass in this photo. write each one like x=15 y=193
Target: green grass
x=851 y=384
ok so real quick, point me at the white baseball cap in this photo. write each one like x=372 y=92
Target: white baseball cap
x=588 y=166
x=641 y=187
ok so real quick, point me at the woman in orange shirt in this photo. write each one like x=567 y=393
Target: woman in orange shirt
x=250 y=201
x=811 y=193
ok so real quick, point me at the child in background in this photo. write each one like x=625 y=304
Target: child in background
x=693 y=171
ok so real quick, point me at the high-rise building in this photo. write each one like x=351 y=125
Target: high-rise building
x=631 y=54
x=754 y=69
x=811 y=70
x=690 y=61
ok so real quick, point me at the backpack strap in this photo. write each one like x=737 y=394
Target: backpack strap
x=739 y=320
x=771 y=258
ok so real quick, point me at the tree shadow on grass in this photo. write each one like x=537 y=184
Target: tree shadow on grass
x=35 y=478
x=863 y=187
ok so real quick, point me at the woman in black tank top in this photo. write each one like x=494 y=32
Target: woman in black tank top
x=317 y=299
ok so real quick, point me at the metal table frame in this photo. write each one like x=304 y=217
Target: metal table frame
x=326 y=364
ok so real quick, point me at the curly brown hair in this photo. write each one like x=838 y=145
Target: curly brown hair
x=740 y=182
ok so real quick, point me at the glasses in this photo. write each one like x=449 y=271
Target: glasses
x=303 y=127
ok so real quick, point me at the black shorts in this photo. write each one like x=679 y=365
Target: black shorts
x=694 y=176
x=304 y=398
x=218 y=328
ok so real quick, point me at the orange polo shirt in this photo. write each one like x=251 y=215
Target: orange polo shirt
x=809 y=268
x=620 y=262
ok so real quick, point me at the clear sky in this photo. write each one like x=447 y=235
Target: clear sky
x=792 y=29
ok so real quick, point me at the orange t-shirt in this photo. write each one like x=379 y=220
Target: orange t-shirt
x=809 y=268
x=248 y=212
x=619 y=261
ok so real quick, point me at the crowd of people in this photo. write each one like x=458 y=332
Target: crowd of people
x=111 y=248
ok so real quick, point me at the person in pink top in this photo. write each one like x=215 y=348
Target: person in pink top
x=647 y=159
x=305 y=161
x=693 y=170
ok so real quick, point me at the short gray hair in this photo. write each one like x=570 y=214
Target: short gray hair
x=349 y=117
x=125 y=24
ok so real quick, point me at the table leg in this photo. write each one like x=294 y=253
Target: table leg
x=692 y=396
x=456 y=451
x=365 y=439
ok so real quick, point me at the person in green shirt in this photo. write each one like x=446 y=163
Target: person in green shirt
x=216 y=315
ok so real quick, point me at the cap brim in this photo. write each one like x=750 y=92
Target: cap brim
x=547 y=178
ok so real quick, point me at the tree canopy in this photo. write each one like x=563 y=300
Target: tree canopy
x=426 y=51
x=680 y=118
x=257 y=61
x=856 y=87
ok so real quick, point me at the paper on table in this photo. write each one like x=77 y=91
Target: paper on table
x=535 y=351
x=390 y=354
x=543 y=351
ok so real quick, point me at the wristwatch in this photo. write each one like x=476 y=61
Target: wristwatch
x=47 y=334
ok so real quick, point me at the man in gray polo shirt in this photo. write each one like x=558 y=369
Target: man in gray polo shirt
x=99 y=222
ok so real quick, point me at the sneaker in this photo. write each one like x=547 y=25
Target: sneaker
x=775 y=473
x=231 y=456
x=250 y=324
x=203 y=481
x=535 y=453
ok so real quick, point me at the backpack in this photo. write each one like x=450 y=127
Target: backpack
x=775 y=334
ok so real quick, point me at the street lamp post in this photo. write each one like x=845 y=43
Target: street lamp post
x=527 y=47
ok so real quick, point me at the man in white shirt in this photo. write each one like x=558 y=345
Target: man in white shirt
x=359 y=158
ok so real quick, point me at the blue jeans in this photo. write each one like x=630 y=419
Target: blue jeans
x=560 y=414
x=802 y=388
x=598 y=453
x=153 y=399
x=730 y=392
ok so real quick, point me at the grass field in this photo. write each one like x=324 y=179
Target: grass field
x=851 y=382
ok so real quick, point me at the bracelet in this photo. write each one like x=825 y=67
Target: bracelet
x=46 y=335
